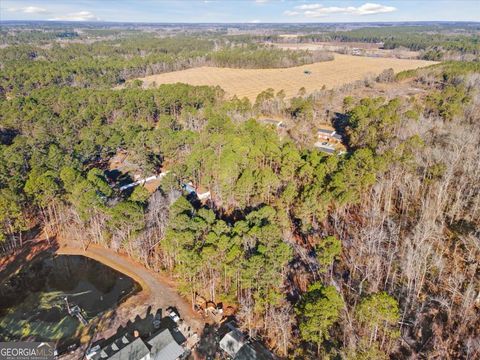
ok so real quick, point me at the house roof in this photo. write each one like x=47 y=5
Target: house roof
x=188 y=188
x=254 y=351
x=326 y=131
x=232 y=342
x=324 y=148
x=136 y=350
x=164 y=346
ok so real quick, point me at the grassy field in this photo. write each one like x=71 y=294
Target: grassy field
x=249 y=82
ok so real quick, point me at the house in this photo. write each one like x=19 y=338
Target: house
x=239 y=347
x=325 y=133
x=136 y=350
x=254 y=351
x=161 y=346
x=191 y=190
x=97 y=353
x=324 y=147
x=164 y=347
x=232 y=342
x=337 y=137
x=329 y=135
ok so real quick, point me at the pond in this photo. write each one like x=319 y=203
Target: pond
x=33 y=302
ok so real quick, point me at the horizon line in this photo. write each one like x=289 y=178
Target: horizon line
x=242 y=23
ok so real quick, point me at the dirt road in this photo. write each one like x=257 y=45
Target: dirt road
x=157 y=293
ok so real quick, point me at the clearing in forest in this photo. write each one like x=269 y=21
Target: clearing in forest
x=250 y=82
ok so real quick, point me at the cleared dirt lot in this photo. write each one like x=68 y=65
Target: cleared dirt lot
x=249 y=82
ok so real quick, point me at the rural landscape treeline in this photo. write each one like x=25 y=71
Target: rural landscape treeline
x=370 y=254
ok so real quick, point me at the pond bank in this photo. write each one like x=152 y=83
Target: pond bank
x=157 y=292
x=35 y=302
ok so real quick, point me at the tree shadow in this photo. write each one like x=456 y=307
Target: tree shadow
x=30 y=253
x=209 y=342
x=340 y=123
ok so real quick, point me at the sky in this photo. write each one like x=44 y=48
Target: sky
x=240 y=11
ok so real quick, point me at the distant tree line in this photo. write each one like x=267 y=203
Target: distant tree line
x=434 y=44
x=254 y=56
x=109 y=63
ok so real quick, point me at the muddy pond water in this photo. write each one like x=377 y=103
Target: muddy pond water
x=33 y=301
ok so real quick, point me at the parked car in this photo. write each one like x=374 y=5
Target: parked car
x=174 y=316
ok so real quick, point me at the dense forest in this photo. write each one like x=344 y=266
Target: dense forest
x=253 y=56
x=110 y=62
x=370 y=254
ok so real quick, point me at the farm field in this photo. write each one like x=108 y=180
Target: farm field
x=250 y=82
x=366 y=49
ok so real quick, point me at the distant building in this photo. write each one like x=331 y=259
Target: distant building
x=356 y=51
x=191 y=190
x=329 y=135
x=324 y=147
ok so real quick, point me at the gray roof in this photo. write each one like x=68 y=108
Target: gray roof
x=325 y=148
x=164 y=346
x=232 y=342
x=136 y=350
x=254 y=351
x=326 y=131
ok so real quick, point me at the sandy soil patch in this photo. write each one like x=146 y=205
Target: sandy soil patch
x=249 y=82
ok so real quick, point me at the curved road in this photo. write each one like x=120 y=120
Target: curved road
x=157 y=290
